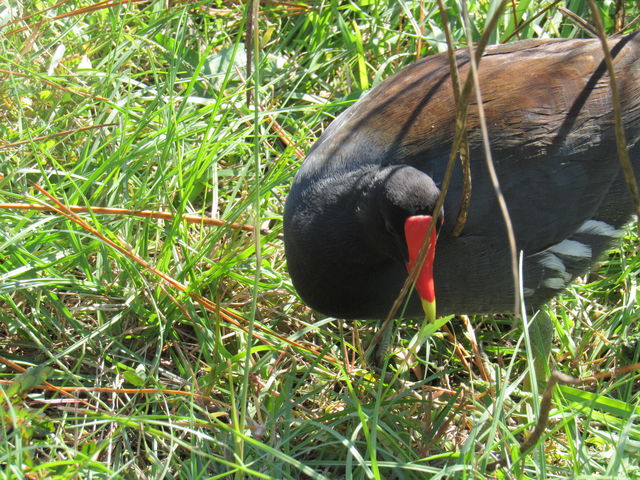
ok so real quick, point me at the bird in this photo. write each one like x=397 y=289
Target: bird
x=365 y=194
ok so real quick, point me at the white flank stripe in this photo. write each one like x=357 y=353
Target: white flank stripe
x=555 y=283
x=549 y=260
x=599 y=228
x=571 y=248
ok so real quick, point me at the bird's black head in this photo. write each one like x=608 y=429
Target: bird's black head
x=399 y=192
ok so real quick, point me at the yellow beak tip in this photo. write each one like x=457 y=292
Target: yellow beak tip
x=429 y=310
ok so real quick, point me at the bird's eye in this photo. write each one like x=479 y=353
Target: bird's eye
x=389 y=227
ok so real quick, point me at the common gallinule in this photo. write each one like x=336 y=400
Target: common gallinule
x=376 y=171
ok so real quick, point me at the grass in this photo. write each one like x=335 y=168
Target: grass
x=143 y=106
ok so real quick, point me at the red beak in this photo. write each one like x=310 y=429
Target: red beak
x=415 y=231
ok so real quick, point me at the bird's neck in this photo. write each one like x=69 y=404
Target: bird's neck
x=335 y=257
